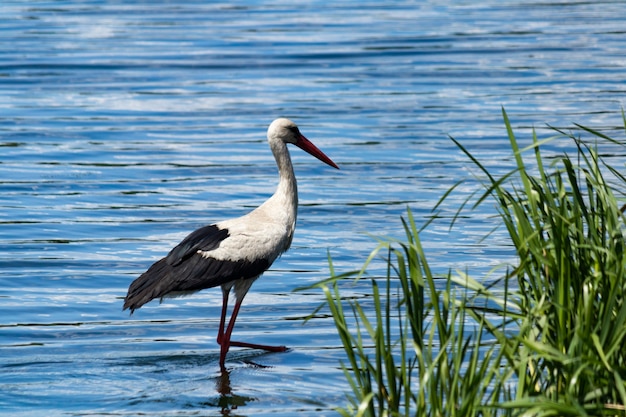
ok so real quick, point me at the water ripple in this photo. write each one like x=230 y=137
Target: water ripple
x=125 y=126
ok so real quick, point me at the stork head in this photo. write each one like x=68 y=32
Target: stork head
x=287 y=132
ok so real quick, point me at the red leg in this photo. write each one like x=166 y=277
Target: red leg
x=223 y=338
x=231 y=324
x=269 y=348
x=220 y=333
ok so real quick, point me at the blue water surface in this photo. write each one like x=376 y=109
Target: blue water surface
x=126 y=125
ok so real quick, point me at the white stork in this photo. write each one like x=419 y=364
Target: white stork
x=235 y=252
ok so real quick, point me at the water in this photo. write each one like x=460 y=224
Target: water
x=125 y=126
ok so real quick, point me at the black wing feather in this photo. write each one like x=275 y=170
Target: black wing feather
x=206 y=238
x=185 y=270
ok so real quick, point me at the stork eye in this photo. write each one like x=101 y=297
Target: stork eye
x=294 y=130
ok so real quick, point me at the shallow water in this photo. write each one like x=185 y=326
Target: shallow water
x=125 y=127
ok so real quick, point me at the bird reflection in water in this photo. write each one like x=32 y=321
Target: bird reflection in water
x=227 y=401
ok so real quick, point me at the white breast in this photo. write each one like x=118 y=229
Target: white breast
x=264 y=233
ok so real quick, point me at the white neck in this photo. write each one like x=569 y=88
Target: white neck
x=287 y=190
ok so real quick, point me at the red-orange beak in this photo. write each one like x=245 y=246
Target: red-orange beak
x=307 y=146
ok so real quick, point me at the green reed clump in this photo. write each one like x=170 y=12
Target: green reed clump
x=547 y=340
x=411 y=354
x=568 y=345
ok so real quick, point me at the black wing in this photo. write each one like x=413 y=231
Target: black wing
x=206 y=238
x=185 y=270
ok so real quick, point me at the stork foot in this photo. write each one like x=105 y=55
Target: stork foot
x=224 y=349
x=262 y=347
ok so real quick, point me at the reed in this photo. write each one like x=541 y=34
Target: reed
x=411 y=354
x=567 y=314
x=546 y=340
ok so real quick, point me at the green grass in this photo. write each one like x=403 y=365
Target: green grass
x=548 y=338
